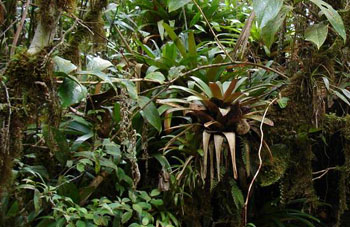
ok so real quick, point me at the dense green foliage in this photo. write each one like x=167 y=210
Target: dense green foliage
x=174 y=113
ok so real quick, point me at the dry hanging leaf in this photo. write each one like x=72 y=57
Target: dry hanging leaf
x=231 y=139
x=218 y=141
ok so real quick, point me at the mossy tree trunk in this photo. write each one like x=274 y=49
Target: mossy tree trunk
x=307 y=110
x=30 y=88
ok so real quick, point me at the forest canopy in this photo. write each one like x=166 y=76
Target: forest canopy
x=174 y=113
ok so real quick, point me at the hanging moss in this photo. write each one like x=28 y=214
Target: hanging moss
x=292 y=125
x=32 y=90
x=334 y=124
x=273 y=169
x=341 y=125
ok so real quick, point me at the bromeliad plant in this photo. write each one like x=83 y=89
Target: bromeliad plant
x=223 y=110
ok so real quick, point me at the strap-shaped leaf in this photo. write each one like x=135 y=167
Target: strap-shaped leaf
x=188 y=90
x=179 y=44
x=230 y=88
x=215 y=90
x=260 y=118
x=203 y=86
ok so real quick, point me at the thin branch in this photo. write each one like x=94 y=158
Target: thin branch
x=9 y=27
x=213 y=32
x=324 y=172
x=260 y=165
x=63 y=38
x=19 y=29
x=123 y=39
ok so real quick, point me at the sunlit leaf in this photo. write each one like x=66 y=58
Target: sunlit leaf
x=156 y=76
x=268 y=32
x=176 y=4
x=98 y=64
x=63 y=65
x=326 y=82
x=333 y=17
x=266 y=10
x=282 y=102
x=126 y=217
x=317 y=34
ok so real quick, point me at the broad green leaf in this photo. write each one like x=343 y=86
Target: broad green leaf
x=70 y=92
x=80 y=223
x=266 y=10
x=237 y=195
x=37 y=200
x=98 y=64
x=149 y=112
x=157 y=202
x=112 y=149
x=157 y=76
x=176 y=4
x=145 y=221
x=282 y=102
x=317 y=34
x=63 y=65
x=126 y=217
x=155 y=192
x=175 y=72
x=333 y=17
x=137 y=208
x=268 y=32
x=13 y=210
